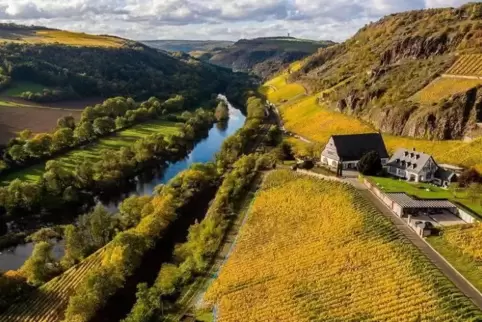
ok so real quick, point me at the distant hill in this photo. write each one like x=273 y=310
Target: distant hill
x=41 y=35
x=75 y=65
x=264 y=56
x=192 y=47
x=415 y=73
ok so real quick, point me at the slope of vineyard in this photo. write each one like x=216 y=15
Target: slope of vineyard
x=48 y=303
x=444 y=87
x=467 y=65
x=315 y=250
x=306 y=117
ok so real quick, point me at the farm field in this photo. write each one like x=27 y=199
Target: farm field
x=467 y=65
x=52 y=36
x=419 y=190
x=18 y=88
x=304 y=116
x=94 y=151
x=301 y=256
x=16 y=119
x=444 y=87
x=48 y=303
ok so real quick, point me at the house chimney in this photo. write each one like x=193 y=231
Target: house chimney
x=413 y=149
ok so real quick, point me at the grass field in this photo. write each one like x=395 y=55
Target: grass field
x=33 y=36
x=467 y=65
x=94 y=151
x=444 y=87
x=314 y=250
x=303 y=115
x=18 y=88
x=419 y=190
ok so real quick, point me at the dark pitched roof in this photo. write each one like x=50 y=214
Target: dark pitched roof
x=354 y=146
x=411 y=160
x=444 y=175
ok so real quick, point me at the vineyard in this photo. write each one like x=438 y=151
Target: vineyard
x=467 y=65
x=306 y=117
x=303 y=256
x=444 y=87
x=462 y=247
x=48 y=303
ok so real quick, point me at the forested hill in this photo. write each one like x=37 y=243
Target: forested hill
x=71 y=65
x=390 y=73
x=264 y=56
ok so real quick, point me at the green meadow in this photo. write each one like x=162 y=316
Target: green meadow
x=94 y=151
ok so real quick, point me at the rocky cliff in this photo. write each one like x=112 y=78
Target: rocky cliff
x=386 y=63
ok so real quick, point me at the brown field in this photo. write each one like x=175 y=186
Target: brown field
x=15 y=119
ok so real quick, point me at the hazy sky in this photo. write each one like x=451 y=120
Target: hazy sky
x=210 y=19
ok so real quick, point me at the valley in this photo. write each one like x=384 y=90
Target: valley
x=258 y=178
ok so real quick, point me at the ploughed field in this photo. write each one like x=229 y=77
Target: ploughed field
x=93 y=152
x=314 y=250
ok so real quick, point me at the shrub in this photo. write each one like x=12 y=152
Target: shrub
x=370 y=164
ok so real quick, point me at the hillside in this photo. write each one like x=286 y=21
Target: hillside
x=195 y=48
x=413 y=74
x=264 y=56
x=41 y=35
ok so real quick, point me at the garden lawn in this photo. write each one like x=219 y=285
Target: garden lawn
x=464 y=264
x=94 y=151
x=419 y=190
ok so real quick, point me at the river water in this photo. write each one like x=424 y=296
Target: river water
x=204 y=151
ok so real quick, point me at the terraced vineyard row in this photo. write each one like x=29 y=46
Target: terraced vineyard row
x=48 y=303
x=467 y=65
x=315 y=250
x=444 y=87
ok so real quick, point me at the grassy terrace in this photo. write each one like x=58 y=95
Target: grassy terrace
x=94 y=151
x=428 y=191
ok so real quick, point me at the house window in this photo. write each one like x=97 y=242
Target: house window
x=334 y=163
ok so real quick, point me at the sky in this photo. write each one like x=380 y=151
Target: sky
x=210 y=19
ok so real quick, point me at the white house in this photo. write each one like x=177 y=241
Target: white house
x=418 y=167
x=348 y=149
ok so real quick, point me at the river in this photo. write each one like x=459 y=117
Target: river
x=204 y=151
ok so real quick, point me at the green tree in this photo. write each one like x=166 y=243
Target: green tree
x=75 y=246
x=41 y=265
x=62 y=138
x=131 y=210
x=174 y=104
x=39 y=145
x=25 y=135
x=222 y=111
x=84 y=132
x=104 y=125
x=120 y=122
x=67 y=122
x=17 y=153
x=370 y=164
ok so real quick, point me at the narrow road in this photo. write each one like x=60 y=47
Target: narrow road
x=448 y=270
x=452 y=274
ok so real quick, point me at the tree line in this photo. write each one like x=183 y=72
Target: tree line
x=106 y=280
x=95 y=122
x=132 y=70
x=59 y=187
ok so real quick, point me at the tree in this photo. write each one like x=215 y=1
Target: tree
x=17 y=153
x=174 y=104
x=474 y=191
x=222 y=111
x=131 y=210
x=84 y=132
x=39 y=145
x=98 y=225
x=75 y=247
x=370 y=164
x=25 y=135
x=41 y=265
x=120 y=122
x=468 y=177
x=66 y=122
x=104 y=125
x=62 y=138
